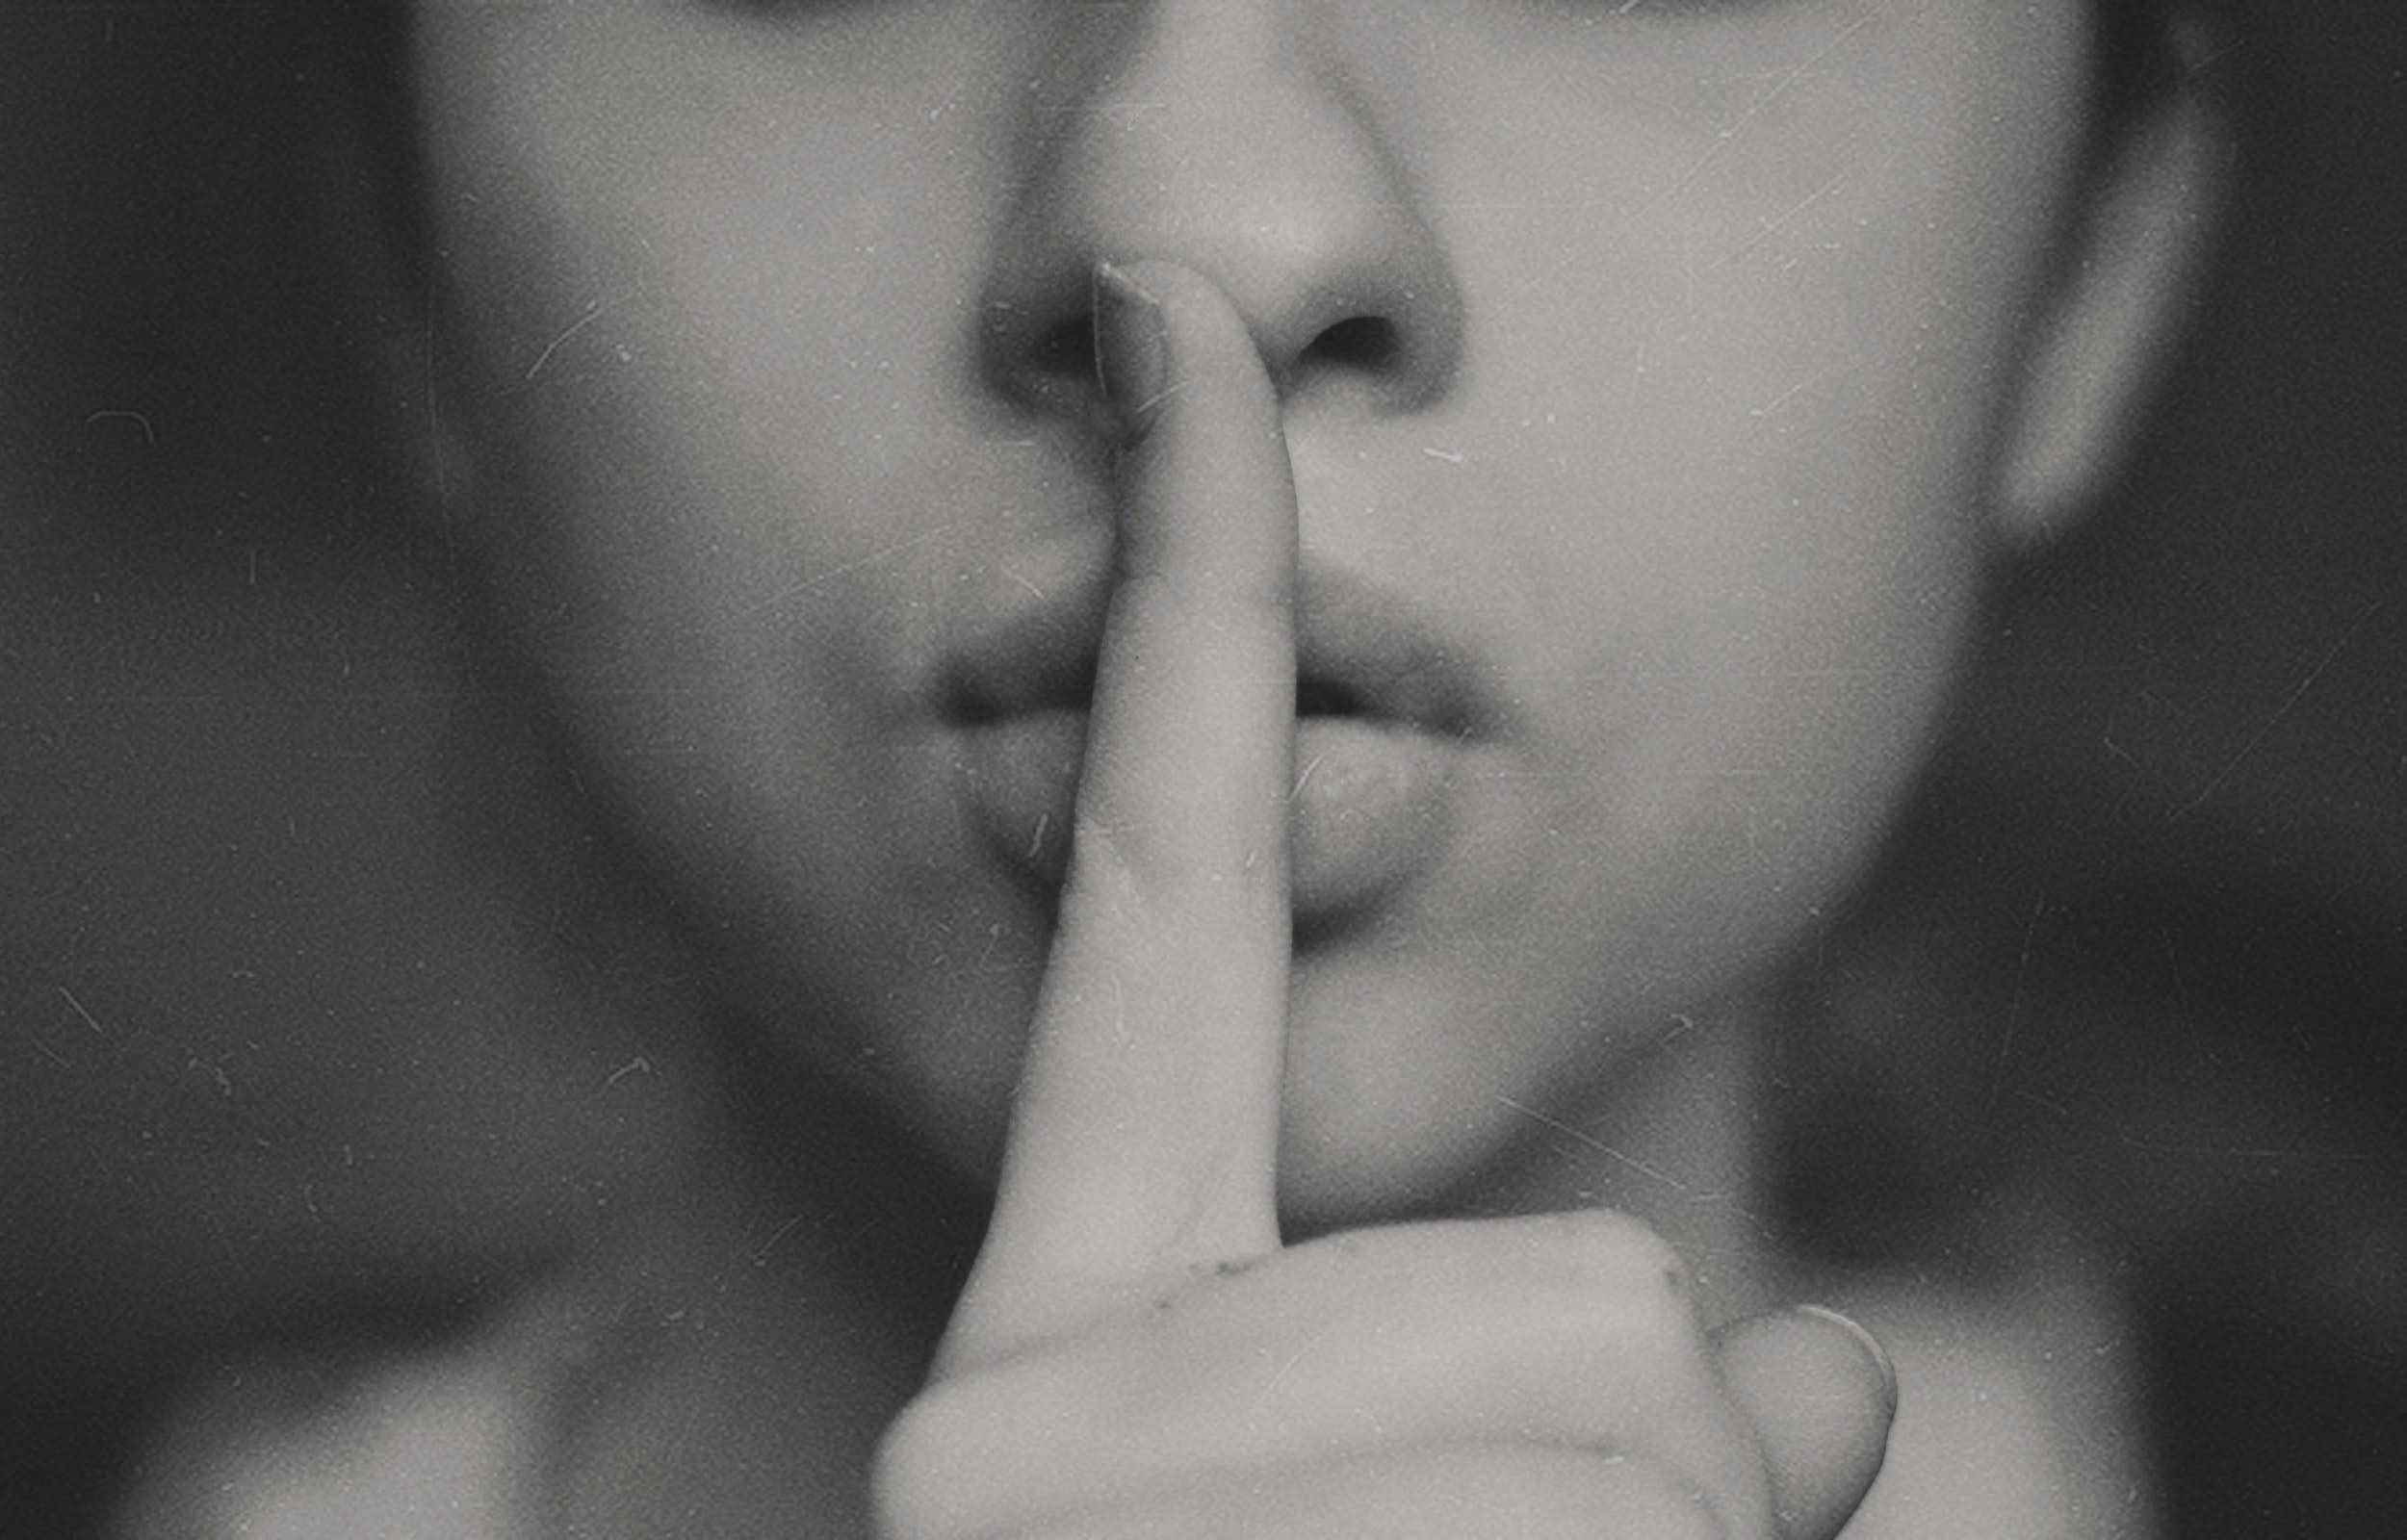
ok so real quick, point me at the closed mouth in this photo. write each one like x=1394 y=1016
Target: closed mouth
x=1359 y=653
x=1381 y=707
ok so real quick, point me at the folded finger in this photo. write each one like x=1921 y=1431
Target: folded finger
x=1495 y=1492
x=1573 y=1330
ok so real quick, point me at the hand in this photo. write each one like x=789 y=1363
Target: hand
x=1135 y=1352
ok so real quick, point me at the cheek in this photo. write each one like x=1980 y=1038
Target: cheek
x=723 y=498
x=701 y=389
x=1773 y=384
x=1733 y=366
x=704 y=281
x=1739 y=434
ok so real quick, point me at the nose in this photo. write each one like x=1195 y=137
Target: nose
x=1230 y=136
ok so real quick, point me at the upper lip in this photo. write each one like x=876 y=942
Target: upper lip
x=1361 y=651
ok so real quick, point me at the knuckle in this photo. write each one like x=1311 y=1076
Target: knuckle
x=1624 y=1274
x=899 y=1469
x=1646 y=1502
x=1527 y=1492
x=1625 y=1251
x=973 y=1456
x=1616 y=1303
x=913 y=1470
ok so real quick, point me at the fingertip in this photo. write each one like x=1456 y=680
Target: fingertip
x=1820 y=1391
x=1212 y=338
x=1131 y=353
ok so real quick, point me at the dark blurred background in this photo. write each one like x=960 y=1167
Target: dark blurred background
x=311 y=999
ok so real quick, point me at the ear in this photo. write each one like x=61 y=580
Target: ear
x=2153 y=193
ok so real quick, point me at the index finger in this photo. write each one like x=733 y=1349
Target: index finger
x=1145 y=1134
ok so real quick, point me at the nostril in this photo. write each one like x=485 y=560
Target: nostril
x=1371 y=344
x=1043 y=355
x=1325 y=698
x=1065 y=349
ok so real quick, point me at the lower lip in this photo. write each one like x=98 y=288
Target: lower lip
x=1371 y=811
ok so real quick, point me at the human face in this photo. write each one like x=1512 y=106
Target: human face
x=1641 y=366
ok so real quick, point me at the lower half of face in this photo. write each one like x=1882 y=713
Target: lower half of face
x=1622 y=629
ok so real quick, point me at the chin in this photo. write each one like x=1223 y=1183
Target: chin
x=1375 y=1123
x=1400 y=1097
x=1354 y=1167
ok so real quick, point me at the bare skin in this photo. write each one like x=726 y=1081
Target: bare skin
x=1136 y=1353
x=1703 y=355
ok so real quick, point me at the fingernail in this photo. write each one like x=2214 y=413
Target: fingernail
x=1131 y=353
x=1864 y=1339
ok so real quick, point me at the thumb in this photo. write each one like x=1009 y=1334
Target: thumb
x=1820 y=1392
